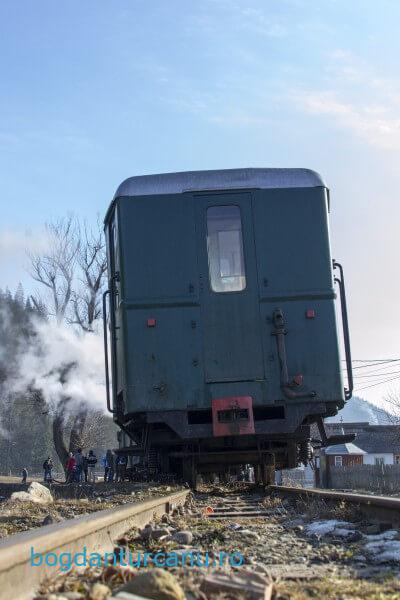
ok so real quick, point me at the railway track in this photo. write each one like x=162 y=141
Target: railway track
x=280 y=555
x=243 y=506
x=96 y=532
x=379 y=508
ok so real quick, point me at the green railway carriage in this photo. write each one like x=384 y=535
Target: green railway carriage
x=223 y=338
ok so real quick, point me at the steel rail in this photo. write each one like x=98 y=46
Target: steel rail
x=96 y=532
x=377 y=508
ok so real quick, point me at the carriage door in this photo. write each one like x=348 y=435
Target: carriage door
x=232 y=345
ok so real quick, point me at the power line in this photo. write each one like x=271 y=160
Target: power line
x=375 y=384
x=370 y=359
x=381 y=371
x=377 y=375
x=388 y=363
x=378 y=370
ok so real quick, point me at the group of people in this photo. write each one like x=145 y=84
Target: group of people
x=80 y=468
x=114 y=467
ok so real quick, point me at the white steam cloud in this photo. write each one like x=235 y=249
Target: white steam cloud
x=63 y=363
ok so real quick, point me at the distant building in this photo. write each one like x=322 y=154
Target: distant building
x=373 y=445
x=344 y=455
x=338 y=428
x=380 y=443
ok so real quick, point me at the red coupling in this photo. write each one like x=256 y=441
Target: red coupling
x=298 y=380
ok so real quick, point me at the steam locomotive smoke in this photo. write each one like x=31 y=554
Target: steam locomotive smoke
x=61 y=363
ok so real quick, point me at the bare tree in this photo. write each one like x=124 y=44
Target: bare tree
x=58 y=429
x=83 y=429
x=92 y=261
x=392 y=398
x=86 y=306
x=55 y=269
x=72 y=273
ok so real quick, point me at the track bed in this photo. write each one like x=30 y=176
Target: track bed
x=288 y=548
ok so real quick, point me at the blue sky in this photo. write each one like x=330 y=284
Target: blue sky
x=93 y=92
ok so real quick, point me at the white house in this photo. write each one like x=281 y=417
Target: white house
x=381 y=443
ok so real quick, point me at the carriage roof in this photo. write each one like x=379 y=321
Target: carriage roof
x=224 y=179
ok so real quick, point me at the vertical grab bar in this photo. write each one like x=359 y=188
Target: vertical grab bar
x=279 y=332
x=346 y=336
x=109 y=408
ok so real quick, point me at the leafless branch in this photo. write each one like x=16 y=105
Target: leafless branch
x=55 y=269
x=71 y=273
x=92 y=261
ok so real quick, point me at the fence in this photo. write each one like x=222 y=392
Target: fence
x=375 y=478
x=297 y=477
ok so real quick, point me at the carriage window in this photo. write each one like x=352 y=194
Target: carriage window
x=225 y=249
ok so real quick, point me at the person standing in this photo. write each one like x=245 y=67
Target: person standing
x=117 y=468
x=110 y=466
x=24 y=475
x=85 y=467
x=79 y=465
x=91 y=463
x=70 y=468
x=104 y=465
x=49 y=472
x=121 y=467
x=47 y=467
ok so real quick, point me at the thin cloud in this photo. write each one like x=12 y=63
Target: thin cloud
x=14 y=246
x=17 y=243
x=377 y=121
x=256 y=21
x=53 y=134
x=239 y=118
x=237 y=16
x=373 y=124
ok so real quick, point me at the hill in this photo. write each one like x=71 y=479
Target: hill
x=359 y=410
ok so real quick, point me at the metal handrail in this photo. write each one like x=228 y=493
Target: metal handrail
x=109 y=408
x=279 y=332
x=348 y=392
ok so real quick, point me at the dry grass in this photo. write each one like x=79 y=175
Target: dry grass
x=16 y=517
x=226 y=489
x=338 y=589
x=317 y=508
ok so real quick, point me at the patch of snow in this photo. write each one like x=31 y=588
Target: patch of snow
x=384 y=551
x=342 y=532
x=391 y=534
x=322 y=528
x=384 y=545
